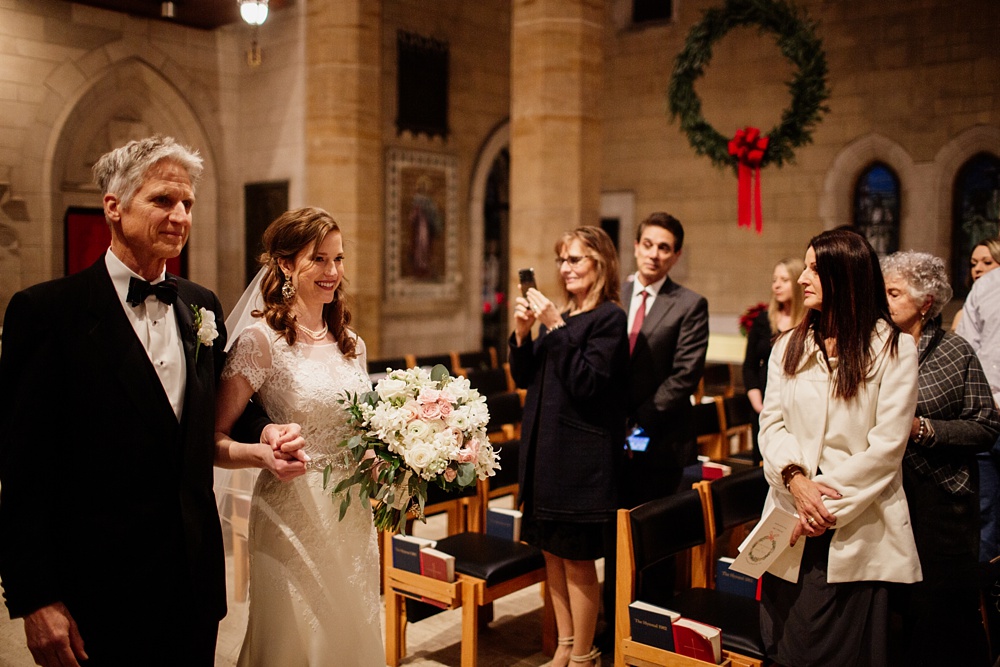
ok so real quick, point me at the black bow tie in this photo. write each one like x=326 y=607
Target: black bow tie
x=138 y=290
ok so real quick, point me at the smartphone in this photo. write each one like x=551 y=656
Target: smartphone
x=527 y=279
x=638 y=441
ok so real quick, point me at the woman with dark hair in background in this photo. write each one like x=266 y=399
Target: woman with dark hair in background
x=784 y=312
x=842 y=389
x=955 y=419
x=574 y=428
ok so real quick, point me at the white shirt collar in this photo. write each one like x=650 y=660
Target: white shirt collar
x=653 y=289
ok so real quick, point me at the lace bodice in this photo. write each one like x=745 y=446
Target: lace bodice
x=301 y=383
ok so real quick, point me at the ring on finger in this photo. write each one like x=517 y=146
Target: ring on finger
x=811 y=521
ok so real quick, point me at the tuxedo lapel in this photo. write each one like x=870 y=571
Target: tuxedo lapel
x=123 y=354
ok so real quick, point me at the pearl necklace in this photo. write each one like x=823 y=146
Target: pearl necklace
x=315 y=335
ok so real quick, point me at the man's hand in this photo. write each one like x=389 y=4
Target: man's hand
x=53 y=638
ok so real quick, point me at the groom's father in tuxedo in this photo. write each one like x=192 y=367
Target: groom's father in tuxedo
x=110 y=543
x=668 y=338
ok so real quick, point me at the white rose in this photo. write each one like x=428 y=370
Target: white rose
x=420 y=456
x=389 y=388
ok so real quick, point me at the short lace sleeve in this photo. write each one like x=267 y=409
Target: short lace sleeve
x=250 y=357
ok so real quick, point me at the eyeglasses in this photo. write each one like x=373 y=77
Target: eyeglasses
x=571 y=260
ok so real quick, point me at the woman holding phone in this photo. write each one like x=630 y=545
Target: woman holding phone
x=574 y=427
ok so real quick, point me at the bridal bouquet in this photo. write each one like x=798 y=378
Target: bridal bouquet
x=423 y=427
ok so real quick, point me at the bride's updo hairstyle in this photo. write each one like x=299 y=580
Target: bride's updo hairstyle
x=284 y=239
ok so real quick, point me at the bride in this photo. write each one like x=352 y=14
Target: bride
x=313 y=579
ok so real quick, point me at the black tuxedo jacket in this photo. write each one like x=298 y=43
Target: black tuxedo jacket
x=106 y=501
x=666 y=364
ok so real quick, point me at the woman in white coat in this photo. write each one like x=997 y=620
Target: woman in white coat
x=840 y=400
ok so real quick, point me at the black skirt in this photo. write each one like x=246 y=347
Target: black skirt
x=813 y=623
x=571 y=540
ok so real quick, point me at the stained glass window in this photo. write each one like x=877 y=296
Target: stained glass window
x=975 y=213
x=876 y=207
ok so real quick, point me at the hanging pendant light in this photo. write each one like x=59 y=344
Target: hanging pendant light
x=254 y=12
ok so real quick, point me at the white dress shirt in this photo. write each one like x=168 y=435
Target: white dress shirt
x=637 y=289
x=156 y=326
x=980 y=325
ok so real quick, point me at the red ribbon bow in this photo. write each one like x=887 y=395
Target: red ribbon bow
x=748 y=148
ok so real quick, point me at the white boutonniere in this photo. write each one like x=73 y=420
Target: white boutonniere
x=204 y=328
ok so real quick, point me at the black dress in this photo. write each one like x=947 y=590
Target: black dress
x=573 y=430
x=759 y=343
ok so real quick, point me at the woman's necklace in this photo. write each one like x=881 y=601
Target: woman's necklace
x=315 y=335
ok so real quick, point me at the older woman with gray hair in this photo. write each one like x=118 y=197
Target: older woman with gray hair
x=955 y=419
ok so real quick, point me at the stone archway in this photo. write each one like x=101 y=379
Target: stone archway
x=838 y=188
x=127 y=100
x=497 y=142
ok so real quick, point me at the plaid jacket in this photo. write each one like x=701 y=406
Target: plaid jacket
x=955 y=396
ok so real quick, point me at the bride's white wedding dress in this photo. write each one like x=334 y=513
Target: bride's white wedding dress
x=314 y=597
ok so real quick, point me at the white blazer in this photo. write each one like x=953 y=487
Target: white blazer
x=859 y=447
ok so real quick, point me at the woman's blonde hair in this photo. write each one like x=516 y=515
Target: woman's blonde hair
x=797 y=310
x=284 y=239
x=601 y=250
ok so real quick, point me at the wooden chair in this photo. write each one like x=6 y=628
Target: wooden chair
x=708 y=419
x=486 y=569
x=430 y=360
x=479 y=359
x=739 y=416
x=648 y=536
x=729 y=504
x=489 y=381
x=504 y=430
x=716 y=380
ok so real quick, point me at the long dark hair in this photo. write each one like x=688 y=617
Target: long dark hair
x=853 y=303
x=284 y=239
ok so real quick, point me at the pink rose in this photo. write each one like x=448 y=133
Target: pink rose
x=450 y=474
x=470 y=452
x=445 y=407
x=430 y=410
x=428 y=395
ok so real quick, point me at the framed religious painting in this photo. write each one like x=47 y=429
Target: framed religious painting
x=421 y=241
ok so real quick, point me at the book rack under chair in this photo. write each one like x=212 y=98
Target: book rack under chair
x=487 y=568
x=648 y=536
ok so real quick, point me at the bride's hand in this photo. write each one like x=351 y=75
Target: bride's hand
x=285 y=439
x=287 y=469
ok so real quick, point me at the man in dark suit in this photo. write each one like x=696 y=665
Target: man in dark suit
x=110 y=542
x=668 y=337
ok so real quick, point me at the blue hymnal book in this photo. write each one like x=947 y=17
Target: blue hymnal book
x=406 y=552
x=504 y=523
x=652 y=625
x=730 y=581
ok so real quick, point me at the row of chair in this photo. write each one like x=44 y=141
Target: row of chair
x=692 y=526
x=456 y=362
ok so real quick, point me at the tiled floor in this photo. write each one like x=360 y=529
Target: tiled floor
x=512 y=640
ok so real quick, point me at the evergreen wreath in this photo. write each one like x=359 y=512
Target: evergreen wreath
x=795 y=36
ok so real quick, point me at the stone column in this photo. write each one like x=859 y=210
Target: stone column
x=344 y=142
x=557 y=53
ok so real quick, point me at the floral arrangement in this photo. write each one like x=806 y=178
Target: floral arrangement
x=749 y=315
x=204 y=328
x=423 y=427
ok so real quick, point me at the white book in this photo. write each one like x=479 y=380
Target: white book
x=767 y=541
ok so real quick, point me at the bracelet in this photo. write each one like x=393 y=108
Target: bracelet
x=557 y=326
x=790 y=471
x=922 y=431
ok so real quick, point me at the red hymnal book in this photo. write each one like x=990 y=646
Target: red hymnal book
x=436 y=565
x=698 y=640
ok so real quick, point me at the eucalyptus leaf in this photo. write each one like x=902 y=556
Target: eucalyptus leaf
x=439 y=373
x=466 y=474
x=326 y=474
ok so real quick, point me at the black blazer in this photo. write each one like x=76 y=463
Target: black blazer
x=574 y=415
x=106 y=501
x=666 y=365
